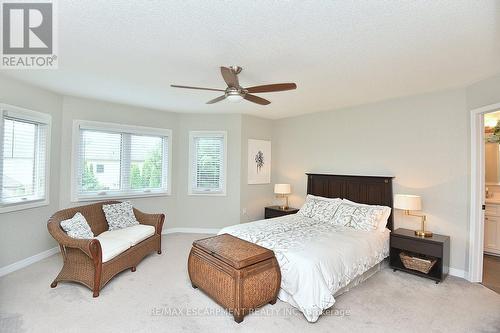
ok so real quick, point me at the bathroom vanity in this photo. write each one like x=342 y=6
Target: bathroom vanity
x=492 y=226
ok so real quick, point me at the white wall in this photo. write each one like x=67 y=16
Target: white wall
x=86 y=109
x=208 y=211
x=484 y=92
x=24 y=233
x=254 y=197
x=182 y=210
x=424 y=141
x=420 y=140
x=26 y=230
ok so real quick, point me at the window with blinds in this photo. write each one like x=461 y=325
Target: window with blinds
x=120 y=161
x=24 y=136
x=208 y=162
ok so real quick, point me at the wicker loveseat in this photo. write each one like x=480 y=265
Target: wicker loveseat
x=83 y=257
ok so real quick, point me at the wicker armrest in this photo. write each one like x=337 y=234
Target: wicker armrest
x=156 y=220
x=88 y=246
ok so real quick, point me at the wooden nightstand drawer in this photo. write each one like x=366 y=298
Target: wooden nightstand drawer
x=275 y=211
x=434 y=250
x=271 y=213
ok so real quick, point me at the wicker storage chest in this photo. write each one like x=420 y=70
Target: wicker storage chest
x=238 y=275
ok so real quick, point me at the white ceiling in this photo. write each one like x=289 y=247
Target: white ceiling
x=340 y=53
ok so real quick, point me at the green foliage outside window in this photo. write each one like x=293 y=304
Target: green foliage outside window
x=89 y=180
x=150 y=175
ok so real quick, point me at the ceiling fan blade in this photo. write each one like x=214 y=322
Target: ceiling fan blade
x=218 y=99
x=198 y=88
x=256 y=99
x=272 y=87
x=230 y=77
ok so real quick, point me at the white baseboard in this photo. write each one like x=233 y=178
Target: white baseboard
x=28 y=261
x=191 y=230
x=458 y=273
x=45 y=254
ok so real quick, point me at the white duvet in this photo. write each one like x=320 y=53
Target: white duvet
x=316 y=259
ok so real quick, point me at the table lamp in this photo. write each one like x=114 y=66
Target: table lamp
x=282 y=191
x=409 y=202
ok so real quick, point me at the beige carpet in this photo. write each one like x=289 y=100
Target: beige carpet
x=158 y=298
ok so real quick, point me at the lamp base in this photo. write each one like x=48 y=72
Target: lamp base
x=423 y=233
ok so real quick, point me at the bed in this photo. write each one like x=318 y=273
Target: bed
x=318 y=260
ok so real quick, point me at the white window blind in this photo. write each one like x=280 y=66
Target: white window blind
x=24 y=136
x=208 y=162
x=121 y=161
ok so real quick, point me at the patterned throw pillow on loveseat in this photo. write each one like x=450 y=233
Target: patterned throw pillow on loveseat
x=120 y=215
x=77 y=227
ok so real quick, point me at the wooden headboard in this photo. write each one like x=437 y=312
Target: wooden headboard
x=370 y=190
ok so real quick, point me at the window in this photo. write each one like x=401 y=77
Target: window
x=24 y=136
x=207 y=154
x=111 y=160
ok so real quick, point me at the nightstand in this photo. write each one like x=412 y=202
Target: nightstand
x=276 y=211
x=437 y=246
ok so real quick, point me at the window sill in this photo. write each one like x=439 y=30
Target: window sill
x=23 y=205
x=207 y=194
x=119 y=196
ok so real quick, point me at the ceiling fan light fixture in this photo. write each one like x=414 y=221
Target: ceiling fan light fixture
x=235 y=93
x=234 y=97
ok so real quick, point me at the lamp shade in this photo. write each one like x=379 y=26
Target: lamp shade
x=282 y=189
x=407 y=202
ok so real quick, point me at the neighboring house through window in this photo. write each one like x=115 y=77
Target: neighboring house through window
x=112 y=160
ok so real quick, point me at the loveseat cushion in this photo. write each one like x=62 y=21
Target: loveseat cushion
x=77 y=227
x=120 y=215
x=134 y=234
x=111 y=247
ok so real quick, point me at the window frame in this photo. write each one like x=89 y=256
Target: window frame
x=40 y=118
x=192 y=172
x=117 y=128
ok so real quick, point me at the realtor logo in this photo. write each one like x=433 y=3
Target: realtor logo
x=28 y=35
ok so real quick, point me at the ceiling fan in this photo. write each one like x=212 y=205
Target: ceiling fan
x=234 y=92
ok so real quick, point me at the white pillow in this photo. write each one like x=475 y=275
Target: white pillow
x=380 y=213
x=384 y=218
x=120 y=215
x=308 y=206
x=77 y=227
x=343 y=215
x=320 y=208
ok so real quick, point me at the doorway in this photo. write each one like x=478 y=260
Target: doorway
x=491 y=254
x=484 y=236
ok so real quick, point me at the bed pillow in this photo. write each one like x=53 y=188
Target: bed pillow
x=77 y=227
x=120 y=215
x=343 y=215
x=325 y=209
x=320 y=208
x=384 y=218
x=368 y=217
x=308 y=206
